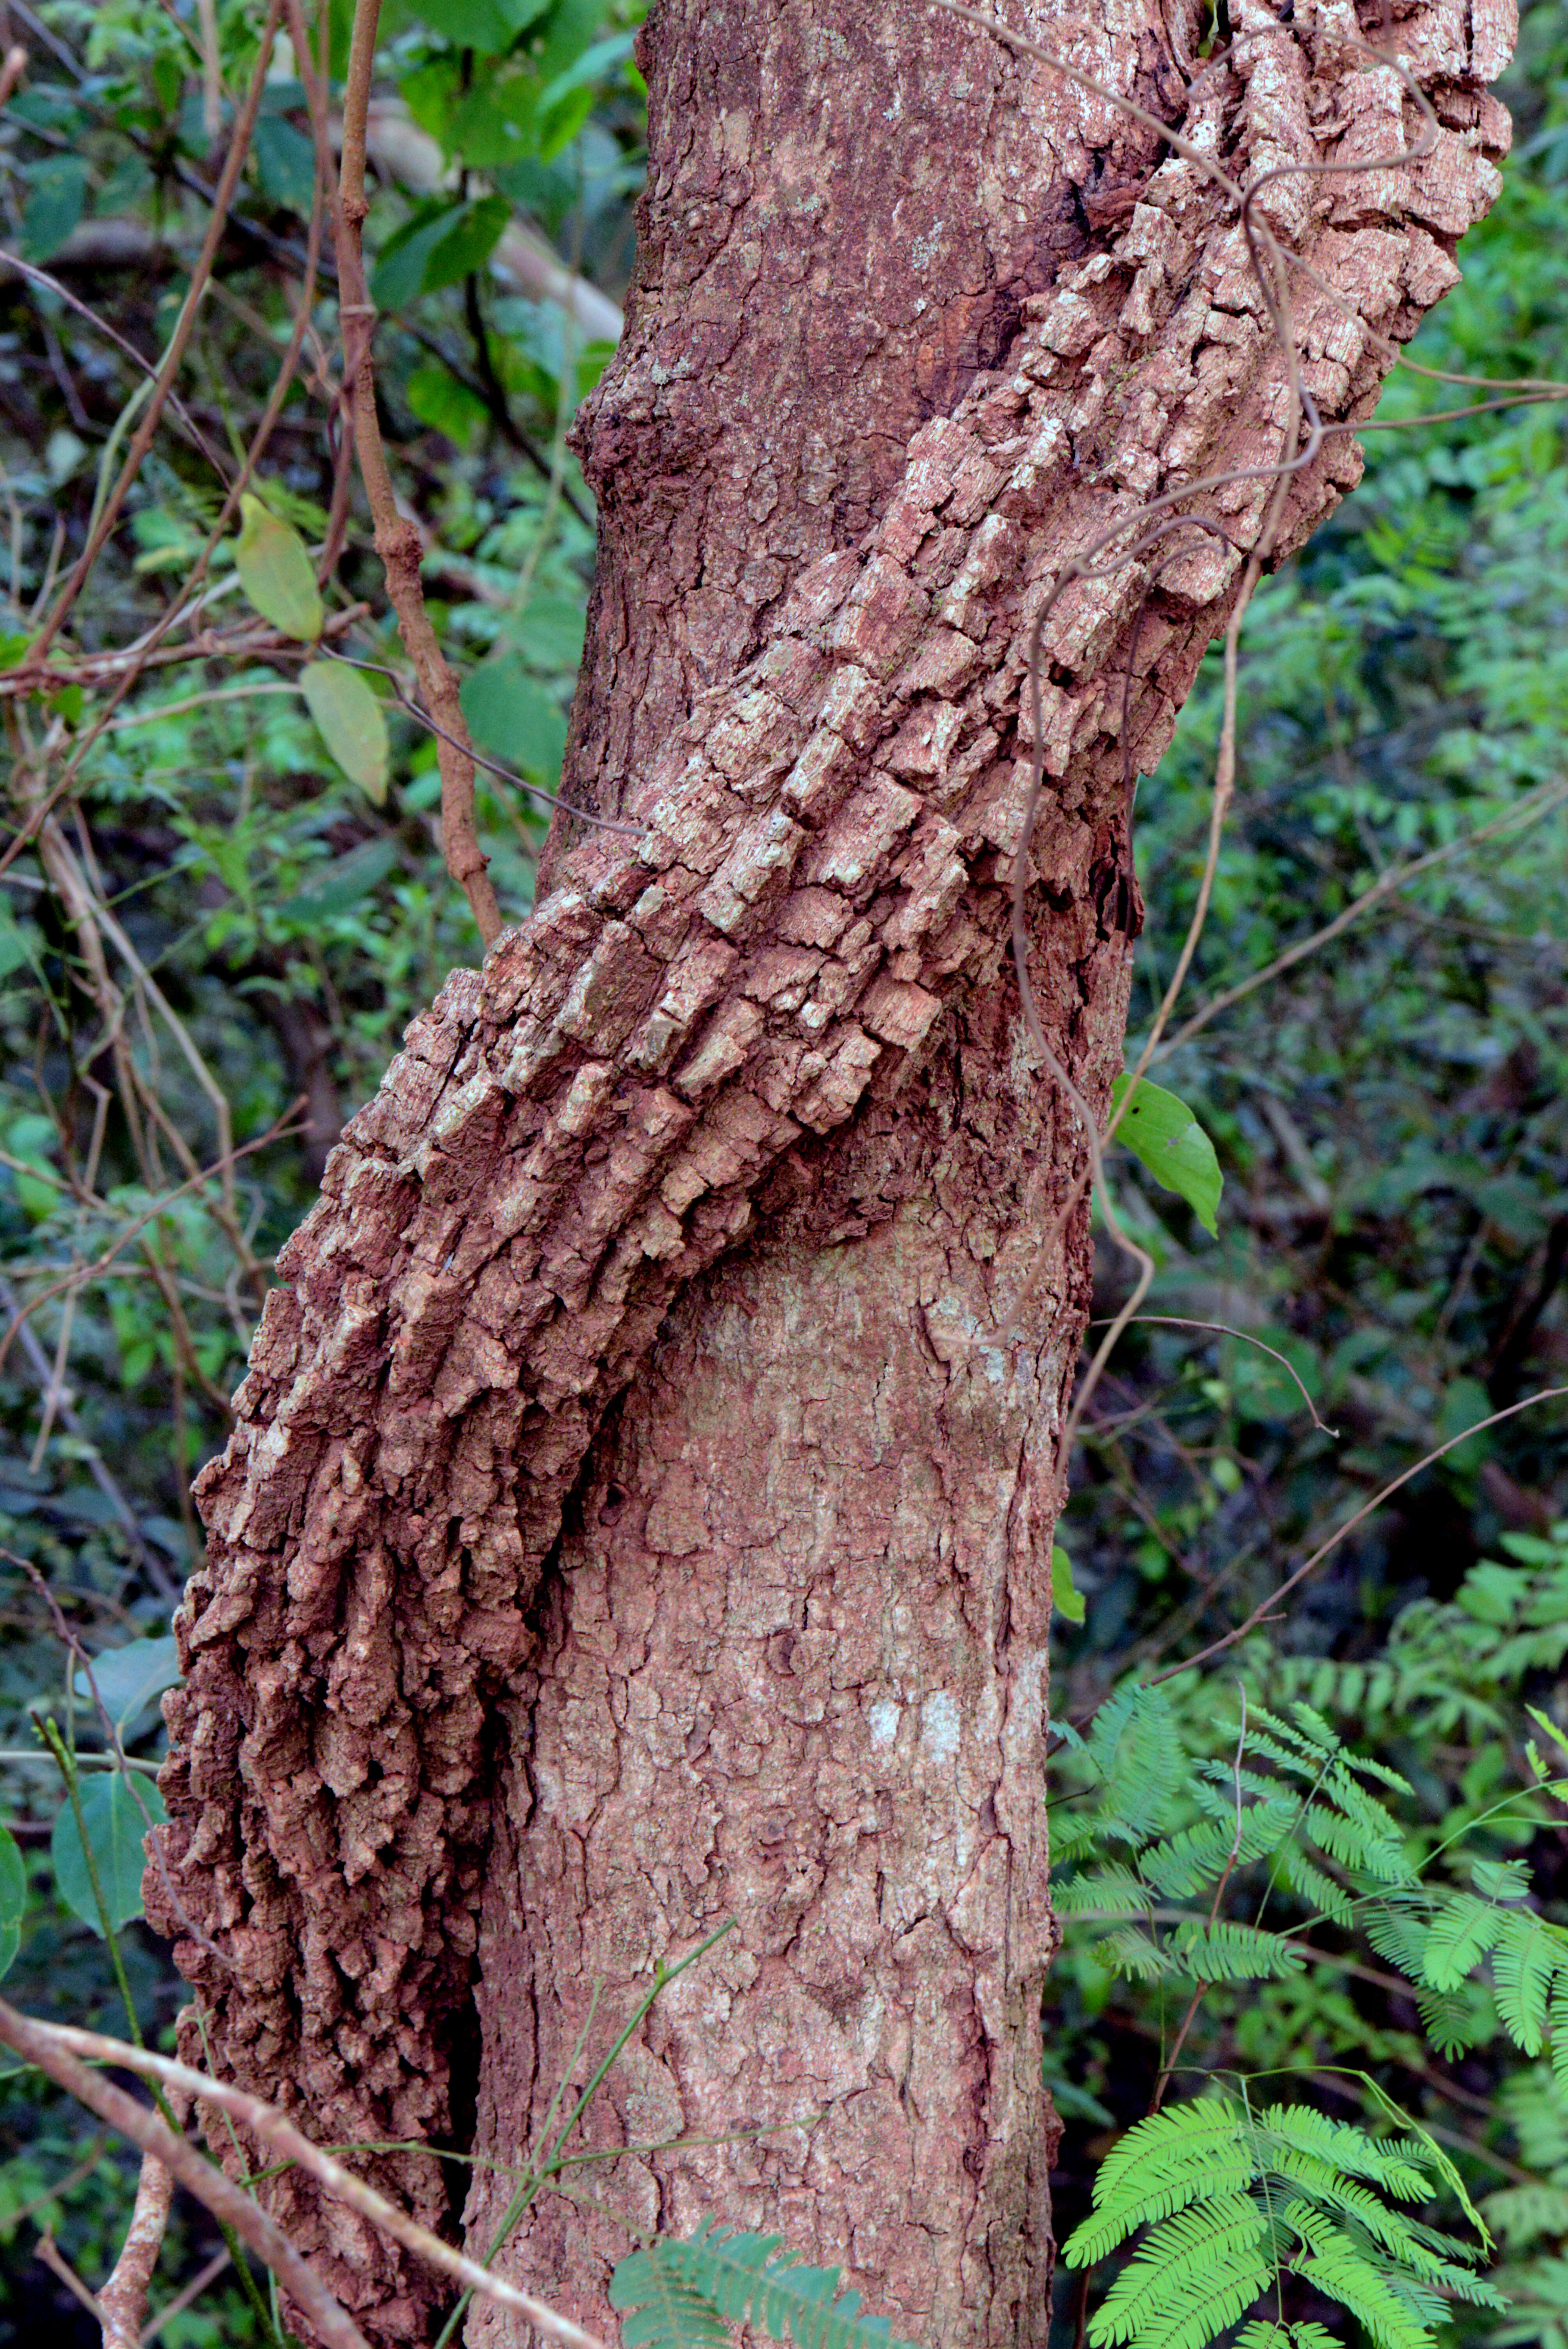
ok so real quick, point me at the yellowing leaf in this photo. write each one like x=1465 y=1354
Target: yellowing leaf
x=275 y=571
x=350 y=722
x=1162 y=1133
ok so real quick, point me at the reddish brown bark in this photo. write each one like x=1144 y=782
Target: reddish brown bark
x=640 y=1509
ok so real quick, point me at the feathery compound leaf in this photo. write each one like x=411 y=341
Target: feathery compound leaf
x=1340 y=2273
x=1399 y=1934
x=1133 y=1953
x=1189 y=2279
x=1209 y=2128
x=1524 y=1963
x=1135 y=1746
x=1462 y=1931
x=1111 y=1890
x=661 y=2310
x=1453 y=2022
x=1347 y=1841
x=1197 y=1857
x=1559 y=2013
x=1399 y=2166
x=743 y=2280
x=1500 y=1880
x=1317 y=1889
x=1224 y=1952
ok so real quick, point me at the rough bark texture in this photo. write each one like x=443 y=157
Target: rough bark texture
x=640 y=1505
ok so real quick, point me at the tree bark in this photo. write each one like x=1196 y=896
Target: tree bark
x=640 y=1508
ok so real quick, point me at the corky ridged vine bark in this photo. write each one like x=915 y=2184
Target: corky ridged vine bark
x=913 y=324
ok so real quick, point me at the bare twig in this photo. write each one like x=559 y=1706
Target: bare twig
x=264 y=2122
x=397 y=540
x=122 y=2299
x=54 y=2259
x=40 y=2044
x=1266 y=1610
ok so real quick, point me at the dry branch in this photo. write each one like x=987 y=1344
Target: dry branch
x=39 y=2044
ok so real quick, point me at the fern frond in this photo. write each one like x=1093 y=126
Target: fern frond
x=1524 y=1964
x=740 y=2279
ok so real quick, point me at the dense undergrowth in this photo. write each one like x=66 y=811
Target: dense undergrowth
x=252 y=928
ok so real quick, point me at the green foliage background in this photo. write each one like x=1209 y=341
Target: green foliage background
x=1388 y=1114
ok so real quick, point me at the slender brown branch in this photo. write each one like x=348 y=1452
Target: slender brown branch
x=1264 y=1610
x=398 y=539
x=265 y=2122
x=122 y=2301
x=37 y=2043
x=54 y=2259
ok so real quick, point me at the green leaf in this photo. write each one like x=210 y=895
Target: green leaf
x=116 y=1830
x=486 y=25
x=1067 y=1599
x=446 y=406
x=57 y=199
x=13 y=950
x=128 y=1679
x=13 y=1899
x=285 y=163
x=441 y=245
x=275 y=571
x=334 y=888
x=349 y=720
x=596 y=64
x=1163 y=1134
x=515 y=719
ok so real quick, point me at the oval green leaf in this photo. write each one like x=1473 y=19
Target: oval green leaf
x=275 y=571
x=1163 y=1134
x=116 y=1830
x=13 y=1899
x=1067 y=1598
x=349 y=720
x=128 y=1679
x=514 y=719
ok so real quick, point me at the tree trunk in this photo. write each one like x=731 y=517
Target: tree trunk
x=640 y=1510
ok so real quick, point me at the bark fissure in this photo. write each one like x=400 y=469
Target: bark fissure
x=735 y=1084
